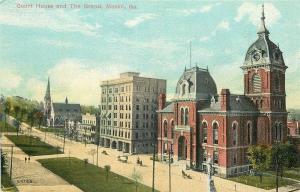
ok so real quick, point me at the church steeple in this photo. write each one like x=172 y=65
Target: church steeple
x=47 y=95
x=262 y=28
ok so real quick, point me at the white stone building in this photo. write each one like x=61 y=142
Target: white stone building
x=87 y=128
x=128 y=112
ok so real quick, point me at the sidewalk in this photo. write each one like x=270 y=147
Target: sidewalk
x=198 y=183
x=32 y=176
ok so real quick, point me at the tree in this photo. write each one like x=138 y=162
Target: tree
x=23 y=112
x=7 y=109
x=260 y=158
x=284 y=155
x=107 y=170
x=3 y=162
x=92 y=152
x=17 y=110
x=39 y=117
x=137 y=177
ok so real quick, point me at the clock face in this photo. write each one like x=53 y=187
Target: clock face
x=256 y=57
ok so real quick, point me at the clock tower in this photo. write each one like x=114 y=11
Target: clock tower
x=264 y=79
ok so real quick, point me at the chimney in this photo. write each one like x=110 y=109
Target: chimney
x=225 y=99
x=161 y=101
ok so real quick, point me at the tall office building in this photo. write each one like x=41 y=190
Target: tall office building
x=128 y=112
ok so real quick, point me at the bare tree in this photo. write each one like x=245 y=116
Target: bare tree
x=107 y=170
x=137 y=177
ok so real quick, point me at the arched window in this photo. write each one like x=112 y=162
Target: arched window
x=204 y=126
x=234 y=135
x=278 y=131
x=249 y=132
x=183 y=89
x=181 y=116
x=172 y=129
x=186 y=117
x=165 y=129
x=256 y=83
x=215 y=132
x=276 y=83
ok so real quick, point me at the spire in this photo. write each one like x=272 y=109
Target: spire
x=47 y=95
x=262 y=28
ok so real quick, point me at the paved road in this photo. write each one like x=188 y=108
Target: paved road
x=198 y=183
x=32 y=176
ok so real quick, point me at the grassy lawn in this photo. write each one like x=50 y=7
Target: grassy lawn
x=32 y=145
x=293 y=173
x=9 y=127
x=90 y=178
x=268 y=181
x=53 y=130
x=6 y=182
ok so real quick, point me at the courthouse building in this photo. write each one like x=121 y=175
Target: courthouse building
x=199 y=123
x=128 y=112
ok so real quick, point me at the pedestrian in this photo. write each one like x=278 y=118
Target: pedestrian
x=234 y=187
x=28 y=158
x=25 y=159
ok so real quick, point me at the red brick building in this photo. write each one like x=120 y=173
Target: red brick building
x=200 y=123
x=293 y=128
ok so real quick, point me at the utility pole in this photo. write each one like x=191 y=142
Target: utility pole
x=153 y=169
x=64 y=136
x=277 y=166
x=170 y=150
x=11 y=161
x=85 y=136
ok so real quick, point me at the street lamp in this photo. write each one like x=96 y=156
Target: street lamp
x=276 y=161
x=211 y=185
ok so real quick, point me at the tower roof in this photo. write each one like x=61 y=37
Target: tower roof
x=195 y=84
x=262 y=28
x=48 y=94
x=263 y=50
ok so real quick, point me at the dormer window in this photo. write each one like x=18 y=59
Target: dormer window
x=183 y=89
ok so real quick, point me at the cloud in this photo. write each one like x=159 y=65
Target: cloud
x=57 y=43
x=139 y=19
x=80 y=83
x=203 y=9
x=9 y=79
x=35 y=89
x=203 y=38
x=221 y=26
x=252 y=11
x=56 y=20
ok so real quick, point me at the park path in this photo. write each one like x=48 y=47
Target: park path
x=32 y=176
x=198 y=183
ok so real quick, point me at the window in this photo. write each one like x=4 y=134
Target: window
x=182 y=116
x=183 y=89
x=186 y=117
x=215 y=133
x=204 y=126
x=172 y=129
x=137 y=107
x=205 y=155
x=278 y=131
x=234 y=134
x=216 y=157
x=276 y=83
x=165 y=129
x=256 y=82
x=249 y=131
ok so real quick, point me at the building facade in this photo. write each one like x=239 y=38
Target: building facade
x=293 y=128
x=128 y=112
x=59 y=114
x=199 y=123
x=87 y=128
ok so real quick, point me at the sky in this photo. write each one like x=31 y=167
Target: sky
x=78 y=47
